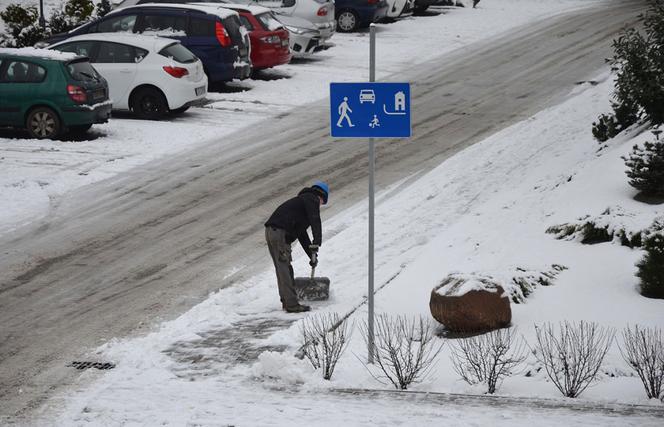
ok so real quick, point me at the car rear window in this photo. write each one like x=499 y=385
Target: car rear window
x=269 y=21
x=232 y=25
x=247 y=24
x=82 y=71
x=178 y=53
x=199 y=27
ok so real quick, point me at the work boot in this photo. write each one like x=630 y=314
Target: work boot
x=299 y=308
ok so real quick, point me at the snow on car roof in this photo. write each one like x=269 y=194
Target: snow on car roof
x=146 y=41
x=213 y=8
x=253 y=9
x=32 y=52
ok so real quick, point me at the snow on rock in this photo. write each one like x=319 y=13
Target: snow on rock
x=459 y=284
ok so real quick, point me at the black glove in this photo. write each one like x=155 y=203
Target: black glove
x=313 y=250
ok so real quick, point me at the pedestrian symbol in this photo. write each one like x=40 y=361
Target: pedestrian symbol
x=370 y=110
x=343 y=113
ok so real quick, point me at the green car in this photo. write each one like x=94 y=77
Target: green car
x=50 y=93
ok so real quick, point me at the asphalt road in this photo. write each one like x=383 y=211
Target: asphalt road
x=117 y=257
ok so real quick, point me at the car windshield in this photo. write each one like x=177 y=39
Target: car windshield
x=82 y=71
x=178 y=53
x=269 y=21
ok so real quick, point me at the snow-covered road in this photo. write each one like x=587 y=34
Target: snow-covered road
x=154 y=242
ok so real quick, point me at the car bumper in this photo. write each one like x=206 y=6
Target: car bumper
x=266 y=56
x=86 y=114
x=304 y=44
x=186 y=93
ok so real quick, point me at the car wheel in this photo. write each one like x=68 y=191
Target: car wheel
x=347 y=21
x=179 y=110
x=149 y=103
x=42 y=122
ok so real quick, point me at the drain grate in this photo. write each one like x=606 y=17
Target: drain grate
x=87 y=365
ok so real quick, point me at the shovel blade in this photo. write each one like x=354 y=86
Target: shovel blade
x=316 y=289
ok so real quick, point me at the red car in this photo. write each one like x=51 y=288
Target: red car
x=269 y=38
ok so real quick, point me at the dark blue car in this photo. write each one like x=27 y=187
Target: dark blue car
x=352 y=15
x=212 y=33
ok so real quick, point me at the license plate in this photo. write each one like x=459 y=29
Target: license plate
x=200 y=90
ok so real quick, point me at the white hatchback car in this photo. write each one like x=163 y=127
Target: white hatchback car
x=146 y=74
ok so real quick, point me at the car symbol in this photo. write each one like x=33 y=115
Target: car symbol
x=367 y=95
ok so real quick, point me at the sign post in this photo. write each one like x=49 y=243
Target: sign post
x=370 y=110
x=372 y=167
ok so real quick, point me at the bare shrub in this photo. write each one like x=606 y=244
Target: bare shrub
x=572 y=358
x=405 y=349
x=488 y=358
x=643 y=350
x=325 y=337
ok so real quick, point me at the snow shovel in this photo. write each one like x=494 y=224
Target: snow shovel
x=312 y=288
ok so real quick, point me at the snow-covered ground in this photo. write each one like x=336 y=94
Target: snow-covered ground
x=229 y=360
x=35 y=174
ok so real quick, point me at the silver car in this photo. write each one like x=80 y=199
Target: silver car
x=303 y=36
x=319 y=12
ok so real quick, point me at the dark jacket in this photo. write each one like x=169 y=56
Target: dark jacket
x=296 y=215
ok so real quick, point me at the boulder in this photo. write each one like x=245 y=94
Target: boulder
x=470 y=303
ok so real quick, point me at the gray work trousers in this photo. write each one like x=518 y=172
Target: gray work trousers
x=280 y=251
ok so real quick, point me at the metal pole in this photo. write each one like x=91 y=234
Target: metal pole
x=372 y=78
x=42 y=20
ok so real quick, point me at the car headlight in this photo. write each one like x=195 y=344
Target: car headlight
x=297 y=30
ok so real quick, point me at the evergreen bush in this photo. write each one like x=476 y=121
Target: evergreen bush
x=651 y=266
x=73 y=14
x=646 y=168
x=103 y=7
x=22 y=23
x=638 y=62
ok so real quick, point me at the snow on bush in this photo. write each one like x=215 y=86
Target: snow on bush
x=614 y=224
x=651 y=266
x=646 y=168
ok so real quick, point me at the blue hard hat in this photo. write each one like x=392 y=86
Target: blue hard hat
x=324 y=189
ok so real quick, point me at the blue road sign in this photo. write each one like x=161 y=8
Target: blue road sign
x=370 y=110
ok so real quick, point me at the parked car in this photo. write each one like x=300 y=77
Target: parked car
x=422 y=5
x=49 y=93
x=269 y=37
x=318 y=12
x=396 y=7
x=214 y=34
x=148 y=75
x=352 y=15
x=304 y=37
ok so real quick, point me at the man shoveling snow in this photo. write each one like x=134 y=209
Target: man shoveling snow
x=289 y=222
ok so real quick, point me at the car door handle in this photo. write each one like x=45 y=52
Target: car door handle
x=125 y=70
